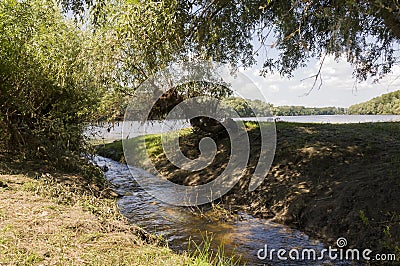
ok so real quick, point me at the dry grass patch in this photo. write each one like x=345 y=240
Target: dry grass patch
x=45 y=223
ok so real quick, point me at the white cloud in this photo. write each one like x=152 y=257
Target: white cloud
x=338 y=85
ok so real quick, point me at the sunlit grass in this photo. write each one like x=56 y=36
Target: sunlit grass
x=46 y=222
x=203 y=254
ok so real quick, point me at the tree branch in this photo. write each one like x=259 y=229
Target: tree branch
x=316 y=76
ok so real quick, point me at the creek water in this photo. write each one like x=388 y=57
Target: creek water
x=243 y=235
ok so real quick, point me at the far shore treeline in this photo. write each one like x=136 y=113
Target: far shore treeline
x=387 y=104
x=250 y=108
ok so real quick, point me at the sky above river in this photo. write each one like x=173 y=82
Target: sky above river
x=338 y=85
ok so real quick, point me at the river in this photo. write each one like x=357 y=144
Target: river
x=113 y=131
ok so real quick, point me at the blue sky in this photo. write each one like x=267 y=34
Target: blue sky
x=337 y=88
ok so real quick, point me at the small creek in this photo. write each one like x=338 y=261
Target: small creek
x=243 y=236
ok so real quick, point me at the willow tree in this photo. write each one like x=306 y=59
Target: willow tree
x=365 y=32
x=138 y=40
x=49 y=81
x=142 y=37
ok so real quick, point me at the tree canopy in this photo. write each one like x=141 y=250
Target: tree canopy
x=142 y=37
x=365 y=32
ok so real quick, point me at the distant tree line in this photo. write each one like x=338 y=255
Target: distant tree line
x=386 y=104
x=301 y=110
x=249 y=108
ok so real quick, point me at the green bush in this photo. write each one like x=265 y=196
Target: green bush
x=48 y=81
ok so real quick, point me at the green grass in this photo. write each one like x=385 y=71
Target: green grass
x=201 y=254
x=153 y=146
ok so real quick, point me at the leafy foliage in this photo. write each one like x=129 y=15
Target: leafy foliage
x=137 y=40
x=366 y=32
x=141 y=37
x=386 y=104
x=49 y=86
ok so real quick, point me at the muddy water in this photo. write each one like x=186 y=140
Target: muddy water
x=244 y=235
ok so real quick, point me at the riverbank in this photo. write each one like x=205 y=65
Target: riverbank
x=61 y=219
x=327 y=180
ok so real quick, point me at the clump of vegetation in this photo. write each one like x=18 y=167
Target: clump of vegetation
x=203 y=252
x=49 y=87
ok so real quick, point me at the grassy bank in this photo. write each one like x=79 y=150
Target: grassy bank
x=328 y=180
x=58 y=220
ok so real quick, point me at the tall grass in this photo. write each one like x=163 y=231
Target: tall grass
x=203 y=253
